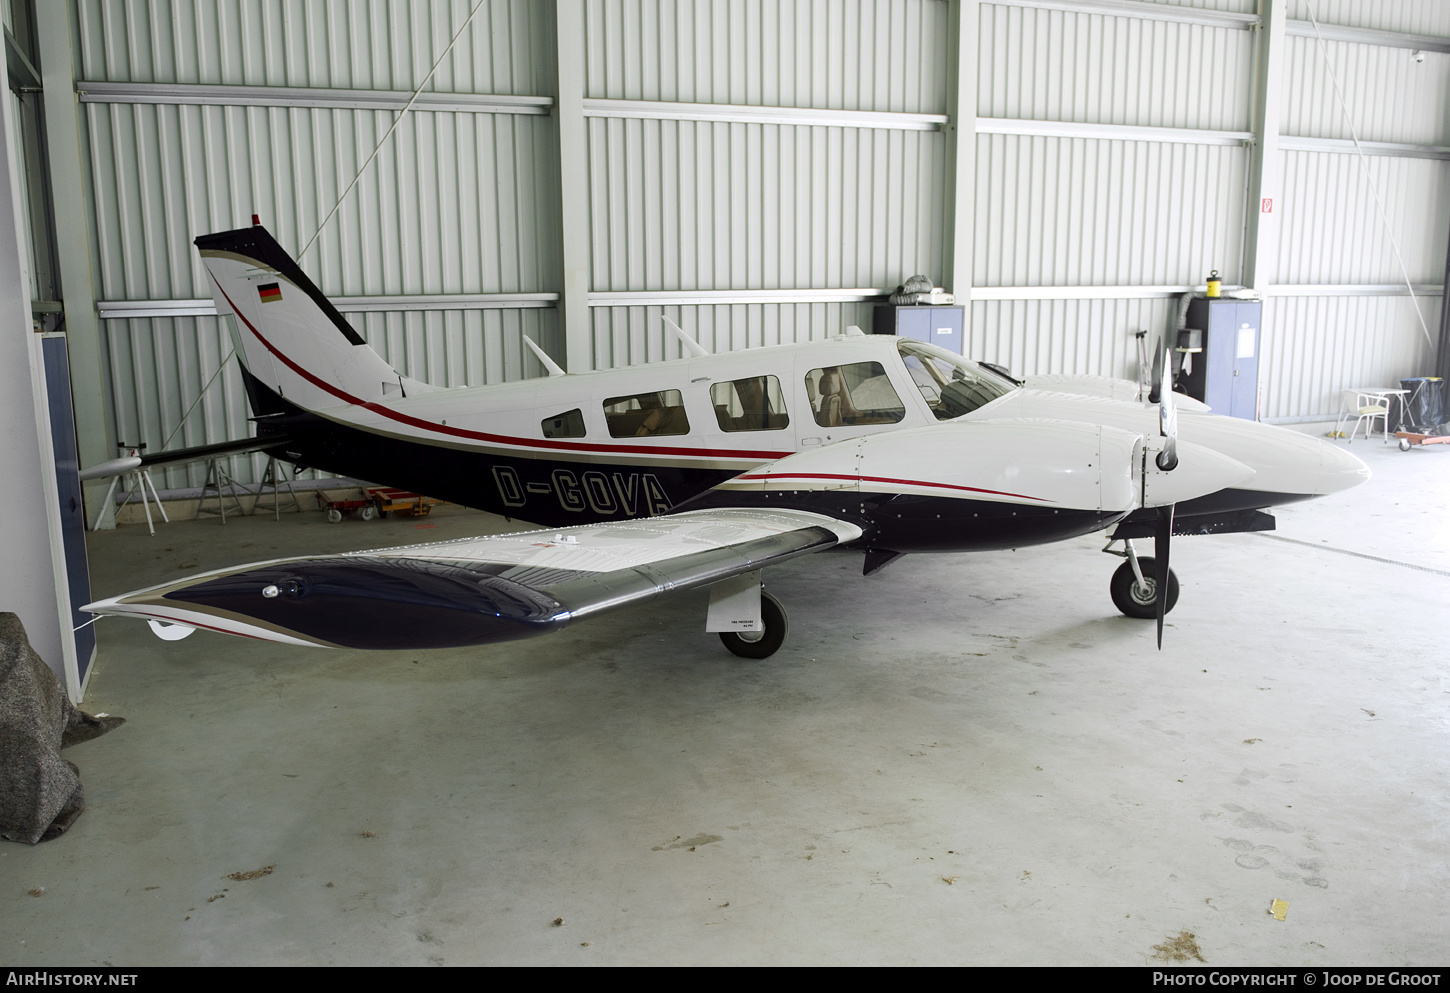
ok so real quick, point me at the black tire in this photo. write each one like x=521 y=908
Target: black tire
x=1137 y=601
x=777 y=626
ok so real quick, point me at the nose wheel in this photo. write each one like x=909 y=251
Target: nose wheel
x=761 y=644
x=1134 y=586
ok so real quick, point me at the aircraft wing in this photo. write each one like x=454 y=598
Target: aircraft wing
x=478 y=590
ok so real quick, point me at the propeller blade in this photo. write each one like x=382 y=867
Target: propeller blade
x=1167 y=461
x=1167 y=416
x=1161 y=537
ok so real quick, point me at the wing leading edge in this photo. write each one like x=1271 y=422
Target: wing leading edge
x=480 y=590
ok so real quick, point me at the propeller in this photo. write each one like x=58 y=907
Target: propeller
x=1167 y=460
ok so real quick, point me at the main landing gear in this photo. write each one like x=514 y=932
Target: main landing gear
x=761 y=644
x=1134 y=586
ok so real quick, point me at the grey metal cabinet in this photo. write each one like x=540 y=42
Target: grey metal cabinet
x=939 y=325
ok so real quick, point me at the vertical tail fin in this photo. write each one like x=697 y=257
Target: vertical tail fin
x=290 y=338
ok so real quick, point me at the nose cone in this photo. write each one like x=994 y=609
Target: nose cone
x=1285 y=462
x=1338 y=469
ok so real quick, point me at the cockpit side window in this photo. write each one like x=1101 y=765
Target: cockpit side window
x=858 y=393
x=753 y=404
x=569 y=424
x=950 y=384
x=645 y=415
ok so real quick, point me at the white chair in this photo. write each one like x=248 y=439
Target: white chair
x=1365 y=407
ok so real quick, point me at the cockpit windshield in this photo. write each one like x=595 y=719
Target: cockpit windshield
x=952 y=385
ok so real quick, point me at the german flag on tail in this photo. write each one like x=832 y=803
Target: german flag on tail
x=269 y=292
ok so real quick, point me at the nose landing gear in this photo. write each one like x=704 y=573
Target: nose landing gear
x=1134 y=586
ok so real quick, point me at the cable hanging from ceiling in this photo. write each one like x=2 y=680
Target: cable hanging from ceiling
x=393 y=127
x=1369 y=178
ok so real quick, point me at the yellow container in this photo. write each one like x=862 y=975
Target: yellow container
x=1214 y=284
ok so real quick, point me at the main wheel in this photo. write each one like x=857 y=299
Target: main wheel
x=763 y=644
x=1141 y=600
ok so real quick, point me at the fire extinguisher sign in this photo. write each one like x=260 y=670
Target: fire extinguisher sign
x=1268 y=206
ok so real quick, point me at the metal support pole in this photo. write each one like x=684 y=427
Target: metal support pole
x=961 y=152
x=94 y=429
x=573 y=185
x=1266 y=169
x=1442 y=353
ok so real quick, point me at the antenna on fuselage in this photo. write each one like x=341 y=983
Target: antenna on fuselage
x=543 y=357
x=690 y=344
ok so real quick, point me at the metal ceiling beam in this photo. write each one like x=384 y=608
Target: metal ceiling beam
x=1370 y=36
x=116 y=310
x=1346 y=146
x=1148 y=11
x=706 y=298
x=1114 y=132
x=1351 y=290
x=659 y=110
x=205 y=94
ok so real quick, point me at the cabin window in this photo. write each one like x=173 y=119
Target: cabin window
x=569 y=424
x=646 y=415
x=753 y=404
x=950 y=384
x=859 y=393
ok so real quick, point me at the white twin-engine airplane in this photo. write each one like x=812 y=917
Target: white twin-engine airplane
x=699 y=472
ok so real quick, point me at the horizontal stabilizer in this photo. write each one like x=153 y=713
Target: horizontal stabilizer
x=178 y=456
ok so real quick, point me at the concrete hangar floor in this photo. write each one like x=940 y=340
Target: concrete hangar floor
x=961 y=760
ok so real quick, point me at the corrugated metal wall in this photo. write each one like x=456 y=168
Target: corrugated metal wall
x=1036 y=337
x=1313 y=347
x=1056 y=65
x=1060 y=211
x=1331 y=229
x=708 y=205
x=631 y=335
x=452 y=204
x=884 y=55
x=456 y=202
x=376 y=45
x=467 y=202
x=714 y=205
x=1095 y=212
x=1417 y=16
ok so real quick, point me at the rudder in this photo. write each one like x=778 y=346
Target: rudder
x=289 y=336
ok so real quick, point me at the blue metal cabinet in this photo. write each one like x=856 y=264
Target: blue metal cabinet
x=1225 y=375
